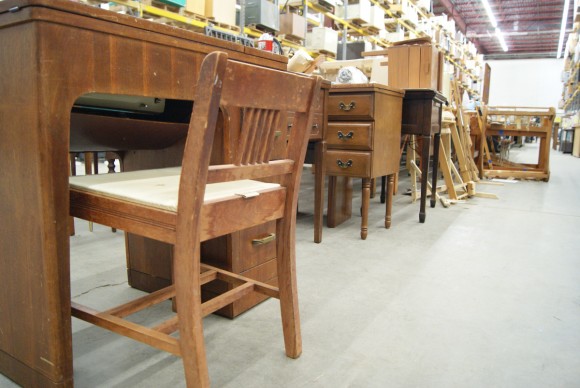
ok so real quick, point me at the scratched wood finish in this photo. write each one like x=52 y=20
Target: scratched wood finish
x=363 y=140
x=196 y=220
x=60 y=50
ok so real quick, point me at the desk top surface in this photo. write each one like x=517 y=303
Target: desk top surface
x=10 y=13
x=372 y=87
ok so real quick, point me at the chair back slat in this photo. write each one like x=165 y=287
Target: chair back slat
x=253 y=135
x=266 y=150
x=257 y=136
x=248 y=124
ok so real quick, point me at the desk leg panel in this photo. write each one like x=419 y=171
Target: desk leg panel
x=318 y=189
x=35 y=334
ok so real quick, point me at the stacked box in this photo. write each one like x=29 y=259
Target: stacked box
x=262 y=13
x=322 y=38
x=177 y=3
x=415 y=66
x=223 y=11
x=293 y=24
x=396 y=36
x=195 y=6
x=360 y=12
x=378 y=17
x=408 y=12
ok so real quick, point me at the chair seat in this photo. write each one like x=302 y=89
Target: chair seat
x=159 y=187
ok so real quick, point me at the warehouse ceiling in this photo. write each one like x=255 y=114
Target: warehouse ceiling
x=531 y=28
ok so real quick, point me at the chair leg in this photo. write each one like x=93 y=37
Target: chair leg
x=288 y=288
x=188 y=296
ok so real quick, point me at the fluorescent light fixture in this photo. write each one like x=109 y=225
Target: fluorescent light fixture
x=490 y=14
x=499 y=36
x=493 y=22
x=563 y=28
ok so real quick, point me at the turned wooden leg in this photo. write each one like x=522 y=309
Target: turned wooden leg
x=436 y=144
x=389 y=200
x=366 y=194
x=424 y=174
x=318 y=190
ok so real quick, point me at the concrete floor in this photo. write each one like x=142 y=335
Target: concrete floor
x=486 y=293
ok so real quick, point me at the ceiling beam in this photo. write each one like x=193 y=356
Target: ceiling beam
x=456 y=16
x=514 y=33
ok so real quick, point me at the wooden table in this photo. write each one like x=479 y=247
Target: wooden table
x=422 y=110
x=54 y=51
x=362 y=140
x=503 y=121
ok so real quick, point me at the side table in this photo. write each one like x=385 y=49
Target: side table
x=422 y=109
x=362 y=138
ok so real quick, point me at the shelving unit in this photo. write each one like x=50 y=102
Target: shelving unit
x=570 y=102
x=406 y=16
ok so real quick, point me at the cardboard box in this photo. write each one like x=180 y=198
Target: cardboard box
x=176 y=3
x=377 y=17
x=415 y=66
x=195 y=6
x=262 y=13
x=360 y=12
x=223 y=11
x=293 y=24
x=322 y=38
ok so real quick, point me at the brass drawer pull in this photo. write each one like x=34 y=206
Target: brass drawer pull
x=314 y=126
x=348 y=107
x=342 y=164
x=264 y=240
x=342 y=136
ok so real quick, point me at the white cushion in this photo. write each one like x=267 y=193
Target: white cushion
x=159 y=187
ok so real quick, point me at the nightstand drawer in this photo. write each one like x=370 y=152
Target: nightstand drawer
x=346 y=135
x=347 y=163
x=350 y=106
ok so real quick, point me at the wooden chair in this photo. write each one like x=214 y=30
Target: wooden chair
x=176 y=206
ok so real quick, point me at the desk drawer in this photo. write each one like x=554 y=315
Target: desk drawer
x=347 y=106
x=348 y=163
x=317 y=123
x=357 y=136
x=315 y=130
x=237 y=252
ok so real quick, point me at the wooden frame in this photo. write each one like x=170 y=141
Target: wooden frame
x=517 y=121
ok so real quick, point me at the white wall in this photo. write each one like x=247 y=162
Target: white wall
x=526 y=82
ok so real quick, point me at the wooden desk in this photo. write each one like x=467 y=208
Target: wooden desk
x=422 y=110
x=519 y=122
x=362 y=139
x=53 y=52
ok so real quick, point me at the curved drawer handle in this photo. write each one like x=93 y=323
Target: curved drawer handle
x=342 y=164
x=264 y=240
x=342 y=136
x=314 y=126
x=346 y=108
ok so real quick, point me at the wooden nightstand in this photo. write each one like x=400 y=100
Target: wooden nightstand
x=362 y=139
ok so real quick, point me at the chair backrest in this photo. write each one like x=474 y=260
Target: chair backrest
x=261 y=99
